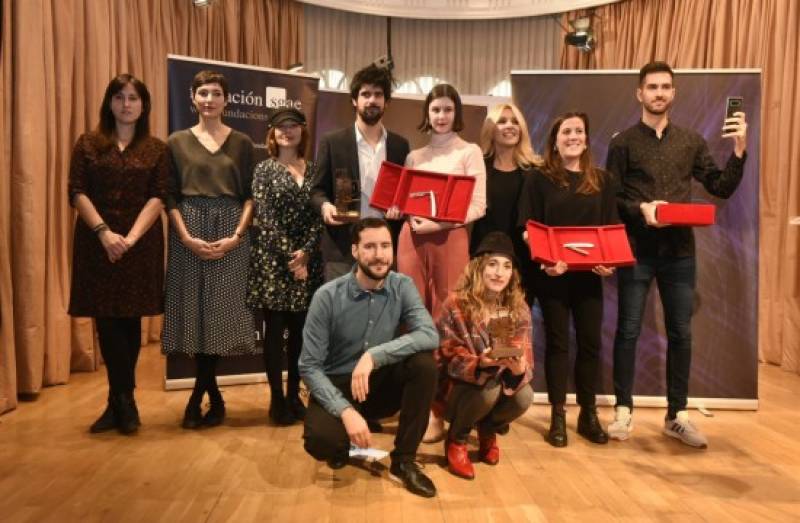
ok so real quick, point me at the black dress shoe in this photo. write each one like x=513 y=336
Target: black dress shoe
x=125 y=413
x=412 y=478
x=192 y=417
x=337 y=462
x=296 y=408
x=107 y=421
x=557 y=436
x=215 y=415
x=589 y=426
x=279 y=412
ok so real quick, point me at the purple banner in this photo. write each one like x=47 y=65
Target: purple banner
x=725 y=322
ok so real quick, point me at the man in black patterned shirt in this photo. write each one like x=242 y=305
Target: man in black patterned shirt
x=655 y=162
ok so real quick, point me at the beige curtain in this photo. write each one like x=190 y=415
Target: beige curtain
x=57 y=57
x=472 y=55
x=732 y=33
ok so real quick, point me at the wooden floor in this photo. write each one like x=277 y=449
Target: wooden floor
x=51 y=469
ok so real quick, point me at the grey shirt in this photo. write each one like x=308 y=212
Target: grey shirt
x=345 y=320
x=198 y=172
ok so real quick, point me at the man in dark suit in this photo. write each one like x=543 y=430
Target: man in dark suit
x=359 y=150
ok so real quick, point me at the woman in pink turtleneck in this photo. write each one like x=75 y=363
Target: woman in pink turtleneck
x=435 y=253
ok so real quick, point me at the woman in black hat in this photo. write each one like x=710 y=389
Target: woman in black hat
x=285 y=262
x=570 y=190
x=485 y=355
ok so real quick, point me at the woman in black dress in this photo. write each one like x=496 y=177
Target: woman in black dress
x=570 y=190
x=210 y=210
x=509 y=157
x=118 y=181
x=285 y=262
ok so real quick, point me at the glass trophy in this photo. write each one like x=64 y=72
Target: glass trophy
x=347 y=197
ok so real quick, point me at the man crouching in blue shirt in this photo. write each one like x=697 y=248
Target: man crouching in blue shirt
x=356 y=365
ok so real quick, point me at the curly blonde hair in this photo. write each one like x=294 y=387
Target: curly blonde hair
x=470 y=291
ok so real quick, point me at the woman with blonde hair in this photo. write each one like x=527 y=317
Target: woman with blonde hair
x=509 y=158
x=485 y=356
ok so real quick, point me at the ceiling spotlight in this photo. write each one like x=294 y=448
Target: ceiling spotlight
x=202 y=3
x=581 y=35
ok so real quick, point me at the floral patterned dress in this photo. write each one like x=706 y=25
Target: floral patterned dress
x=284 y=222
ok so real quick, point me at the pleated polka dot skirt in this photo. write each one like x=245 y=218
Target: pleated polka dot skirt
x=205 y=310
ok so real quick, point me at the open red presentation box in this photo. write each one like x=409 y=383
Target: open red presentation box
x=687 y=214
x=438 y=196
x=603 y=245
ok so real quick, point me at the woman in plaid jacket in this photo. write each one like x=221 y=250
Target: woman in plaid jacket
x=485 y=357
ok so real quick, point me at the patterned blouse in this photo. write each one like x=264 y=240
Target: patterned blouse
x=284 y=222
x=462 y=341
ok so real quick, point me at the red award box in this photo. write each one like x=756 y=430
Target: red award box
x=438 y=196
x=687 y=214
x=582 y=248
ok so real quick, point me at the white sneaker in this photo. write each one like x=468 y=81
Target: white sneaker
x=620 y=429
x=683 y=429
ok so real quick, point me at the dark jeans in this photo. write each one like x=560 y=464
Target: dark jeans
x=277 y=322
x=578 y=295
x=407 y=386
x=675 y=278
x=120 y=341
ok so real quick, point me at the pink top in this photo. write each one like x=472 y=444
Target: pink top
x=448 y=153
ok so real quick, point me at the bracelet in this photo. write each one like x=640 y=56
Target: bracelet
x=100 y=227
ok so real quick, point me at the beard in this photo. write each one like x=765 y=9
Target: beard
x=652 y=110
x=371 y=114
x=367 y=270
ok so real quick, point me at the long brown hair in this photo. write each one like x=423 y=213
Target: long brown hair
x=470 y=291
x=302 y=147
x=524 y=155
x=553 y=166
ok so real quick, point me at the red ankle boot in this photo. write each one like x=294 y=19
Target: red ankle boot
x=488 y=452
x=458 y=461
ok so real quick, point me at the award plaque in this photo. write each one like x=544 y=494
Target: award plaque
x=501 y=331
x=347 y=197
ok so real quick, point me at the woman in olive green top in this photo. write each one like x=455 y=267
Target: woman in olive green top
x=210 y=210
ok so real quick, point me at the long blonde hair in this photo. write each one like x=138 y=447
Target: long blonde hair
x=470 y=291
x=524 y=155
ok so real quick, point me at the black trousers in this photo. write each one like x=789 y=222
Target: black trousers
x=578 y=295
x=407 y=386
x=120 y=341
x=277 y=322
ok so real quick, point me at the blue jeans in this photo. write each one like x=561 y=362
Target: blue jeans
x=675 y=278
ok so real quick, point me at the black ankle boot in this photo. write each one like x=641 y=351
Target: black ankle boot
x=589 y=426
x=279 y=412
x=136 y=418
x=107 y=420
x=557 y=436
x=125 y=413
x=296 y=407
x=192 y=417
x=216 y=413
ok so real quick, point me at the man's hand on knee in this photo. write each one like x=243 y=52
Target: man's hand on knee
x=356 y=427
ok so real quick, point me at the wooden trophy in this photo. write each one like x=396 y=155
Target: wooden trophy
x=346 y=197
x=501 y=331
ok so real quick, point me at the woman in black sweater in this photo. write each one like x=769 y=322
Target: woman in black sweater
x=570 y=190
